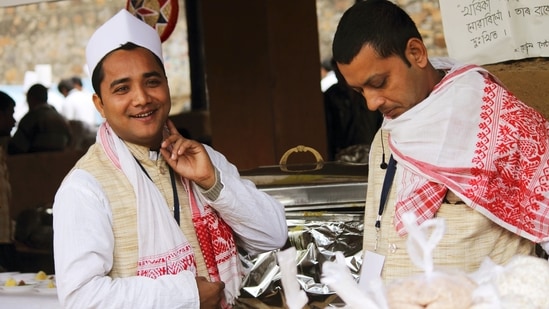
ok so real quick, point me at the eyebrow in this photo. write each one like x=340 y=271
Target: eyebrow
x=126 y=79
x=368 y=81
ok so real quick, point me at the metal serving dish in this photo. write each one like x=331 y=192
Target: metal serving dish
x=324 y=203
x=317 y=187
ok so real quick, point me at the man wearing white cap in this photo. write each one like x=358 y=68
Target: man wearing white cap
x=147 y=218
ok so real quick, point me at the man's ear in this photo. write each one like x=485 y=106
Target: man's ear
x=98 y=104
x=416 y=52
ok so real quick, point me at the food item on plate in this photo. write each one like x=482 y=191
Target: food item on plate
x=10 y=282
x=51 y=284
x=41 y=275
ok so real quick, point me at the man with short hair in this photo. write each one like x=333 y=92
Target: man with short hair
x=148 y=218
x=463 y=148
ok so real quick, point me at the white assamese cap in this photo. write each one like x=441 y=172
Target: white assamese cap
x=117 y=31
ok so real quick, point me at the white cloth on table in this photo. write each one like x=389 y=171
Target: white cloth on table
x=29 y=300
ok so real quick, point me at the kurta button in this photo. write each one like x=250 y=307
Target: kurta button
x=393 y=248
x=162 y=170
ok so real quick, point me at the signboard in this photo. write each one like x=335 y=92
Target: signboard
x=491 y=31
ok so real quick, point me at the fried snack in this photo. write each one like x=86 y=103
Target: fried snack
x=51 y=284
x=41 y=275
x=10 y=282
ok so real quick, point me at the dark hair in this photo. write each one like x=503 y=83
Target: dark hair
x=65 y=85
x=37 y=93
x=98 y=73
x=327 y=64
x=6 y=101
x=379 y=23
x=76 y=81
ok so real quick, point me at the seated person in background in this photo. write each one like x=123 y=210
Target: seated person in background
x=327 y=75
x=148 y=218
x=75 y=109
x=7 y=248
x=64 y=87
x=7 y=121
x=350 y=125
x=42 y=128
x=463 y=148
x=78 y=104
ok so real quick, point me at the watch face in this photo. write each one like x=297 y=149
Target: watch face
x=159 y=14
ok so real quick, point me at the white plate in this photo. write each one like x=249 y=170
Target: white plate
x=5 y=275
x=17 y=288
x=46 y=290
x=27 y=277
x=48 y=278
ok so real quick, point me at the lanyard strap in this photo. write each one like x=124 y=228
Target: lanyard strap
x=175 y=196
x=174 y=190
x=387 y=182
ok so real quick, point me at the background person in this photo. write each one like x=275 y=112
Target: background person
x=42 y=128
x=147 y=218
x=7 y=248
x=81 y=122
x=7 y=121
x=64 y=87
x=350 y=125
x=466 y=149
x=327 y=75
x=78 y=103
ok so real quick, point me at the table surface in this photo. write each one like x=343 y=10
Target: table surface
x=28 y=300
x=33 y=295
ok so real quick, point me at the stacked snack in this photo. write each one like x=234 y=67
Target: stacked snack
x=10 y=282
x=40 y=276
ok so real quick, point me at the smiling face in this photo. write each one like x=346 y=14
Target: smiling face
x=389 y=84
x=135 y=98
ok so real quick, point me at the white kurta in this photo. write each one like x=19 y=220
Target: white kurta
x=78 y=105
x=84 y=242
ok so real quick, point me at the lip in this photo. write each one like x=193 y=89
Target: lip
x=144 y=114
x=389 y=113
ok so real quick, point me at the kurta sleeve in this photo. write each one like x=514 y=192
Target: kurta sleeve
x=257 y=219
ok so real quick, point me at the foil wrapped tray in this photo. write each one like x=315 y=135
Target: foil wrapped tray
x=324 y=205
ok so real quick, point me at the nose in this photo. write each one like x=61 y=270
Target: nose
x=141 y=96
x=373 y=101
